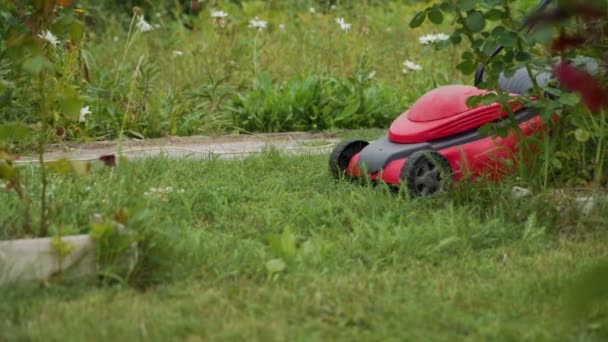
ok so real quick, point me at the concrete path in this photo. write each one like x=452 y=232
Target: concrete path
x=193 y=147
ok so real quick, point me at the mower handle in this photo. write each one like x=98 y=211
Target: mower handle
x=481 y=68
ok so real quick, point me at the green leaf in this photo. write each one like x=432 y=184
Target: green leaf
x=288 y=243
x=475 y=21
x=418 y=19
x=569 y=99
x=435 y=16
x=467 y=55
x=494 y=15
x=70 y=106
x=76 y=29
x=13 y=131
x=101 y=230
x=456 y=39
x=467 y=67
x=582 y=135
x=489 y=47
x=275 y=266
x=543 y=34
x=522 y=56
x=557 y=163
x=508 y=39
x=467 y=5
x=446 y=7
x=63 y=248
x=486 y=129
x=7 y=172
x=37 y=64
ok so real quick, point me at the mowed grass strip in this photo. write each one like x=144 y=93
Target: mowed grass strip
x=358 y=261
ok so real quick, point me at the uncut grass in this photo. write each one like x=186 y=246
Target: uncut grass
x=370 y=263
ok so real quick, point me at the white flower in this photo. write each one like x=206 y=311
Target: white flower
x=333 y=7
x=84 y=111
x=142 y=25
x=162 y=191
x=371 y=75
x=177 y=53
x=311 y=10
x=156 y=25
x=433 y=38
x=49 y=37
x=343 y=24
x=281 y=26
x=258 y=24
x=218 y=14
x=412 y=66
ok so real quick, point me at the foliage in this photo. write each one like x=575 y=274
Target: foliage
x=315 y=103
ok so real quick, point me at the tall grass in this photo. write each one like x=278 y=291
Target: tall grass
x=138 y=81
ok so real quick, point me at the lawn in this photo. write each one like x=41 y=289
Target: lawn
x=273 y=248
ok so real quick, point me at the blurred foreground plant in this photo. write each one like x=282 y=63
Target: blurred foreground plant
x=564 y=42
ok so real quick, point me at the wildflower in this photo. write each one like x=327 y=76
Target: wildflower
x=162 y=191
x=258 y=24
x=157 y=26
x=371 y=75
x=433 y=38
x=333 y=7
x=412 y=66
x=218 y=14
x=281 y=26
x=343 y=24
x=312 y=10
x=84 y=111
x=177 y=53
x=49 y=37
x=142 y=24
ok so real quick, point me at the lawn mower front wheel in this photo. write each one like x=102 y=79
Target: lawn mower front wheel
x=342 y=154
x=426 y=173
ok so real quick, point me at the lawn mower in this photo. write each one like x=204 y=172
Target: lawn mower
x=437 y=141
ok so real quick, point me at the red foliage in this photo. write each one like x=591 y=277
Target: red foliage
x=594 y=96
x=108 y=159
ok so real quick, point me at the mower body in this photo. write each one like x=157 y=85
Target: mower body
x=442 y=134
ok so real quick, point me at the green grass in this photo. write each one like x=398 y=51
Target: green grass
x=361 y=262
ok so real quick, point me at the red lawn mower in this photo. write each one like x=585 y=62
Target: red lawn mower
x=437 y=140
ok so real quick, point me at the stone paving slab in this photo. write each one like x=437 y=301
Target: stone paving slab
x=227 y=147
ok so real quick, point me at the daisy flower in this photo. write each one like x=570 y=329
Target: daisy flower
x=433 y=38
x=343 y=24
x=84 y=111
x=142 y=25
x=412 y=66
x=258 y=24
x=49 y=37
x=218 y=14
